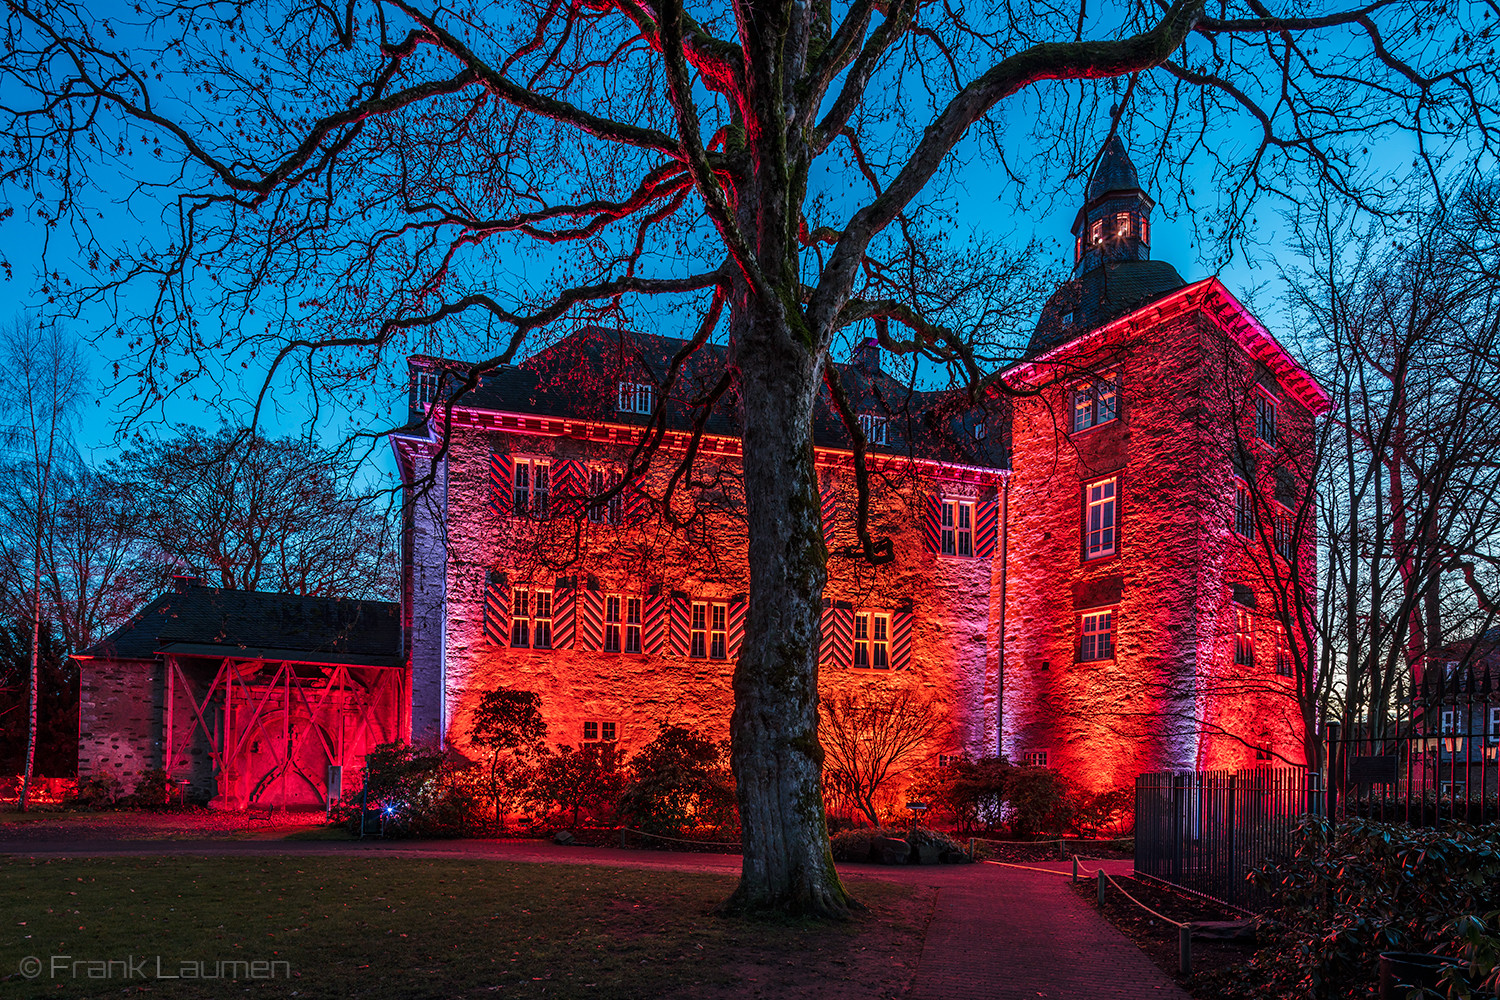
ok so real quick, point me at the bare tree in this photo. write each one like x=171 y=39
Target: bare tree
x=1408 y=340
x=47 y=369
x=365 y=179
x=252 y=513
x=871 y=738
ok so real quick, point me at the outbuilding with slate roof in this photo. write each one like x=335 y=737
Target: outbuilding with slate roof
x=243 y=698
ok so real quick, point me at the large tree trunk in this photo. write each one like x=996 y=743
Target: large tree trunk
x=777 y=759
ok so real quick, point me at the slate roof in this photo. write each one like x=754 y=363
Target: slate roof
x=1115 y=171
x=194 y=620
x=1098 y=296
x=578 y=378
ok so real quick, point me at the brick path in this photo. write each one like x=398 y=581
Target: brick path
x=997 y=932
x=1011 y=933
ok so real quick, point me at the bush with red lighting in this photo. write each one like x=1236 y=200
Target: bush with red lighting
x=679 y=783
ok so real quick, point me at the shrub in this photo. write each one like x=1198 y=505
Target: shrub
x=1102 y=814
x=509 y=725
x=154 y=790
x=679 y=781
x=990 y=793
x=1360 y=888
x=98 y=792
x=859 y=845
x=418 y=789
x=573 y=784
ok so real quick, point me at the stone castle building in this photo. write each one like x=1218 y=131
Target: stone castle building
x=1084 y=576
x=1078 y=577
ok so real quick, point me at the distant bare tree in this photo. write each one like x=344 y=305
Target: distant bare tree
x=48 y=378
x=1407 y=340
x=871 y=737
x=254 y=513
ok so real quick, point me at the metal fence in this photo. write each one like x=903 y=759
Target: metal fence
x=1206 y=831
x=1433 y=760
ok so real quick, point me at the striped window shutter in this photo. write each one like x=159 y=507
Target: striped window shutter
x=637 y=505
x=986 y=527
x=497 y=609
x=932 y=525
x=502 y=478
x=653 y=623
x=901 y=622
x=736 y=634
x=570 y=483
x=836 y=644
x=564 y=597
x=679 y=622
x=590 y=619
x=828 y=498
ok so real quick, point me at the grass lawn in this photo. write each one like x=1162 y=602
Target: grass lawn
x=393 y=927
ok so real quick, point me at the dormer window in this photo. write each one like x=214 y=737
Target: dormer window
x=427 y=388
x=873 y=428
x=636 y=397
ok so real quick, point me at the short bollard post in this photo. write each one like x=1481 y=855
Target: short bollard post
x=1101 y=886
x=1185 y=950
x=622 y=838
x=971 y=848
x=1075 y=868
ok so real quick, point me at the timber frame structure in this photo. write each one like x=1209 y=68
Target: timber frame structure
x=244 y=699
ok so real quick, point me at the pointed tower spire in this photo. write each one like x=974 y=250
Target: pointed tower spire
x=1115 y=220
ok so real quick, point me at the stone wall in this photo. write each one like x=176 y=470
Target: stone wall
x=949 y=598
x=119 y=719
x=1171 y=697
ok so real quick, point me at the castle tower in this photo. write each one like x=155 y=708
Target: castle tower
x=1139 y=630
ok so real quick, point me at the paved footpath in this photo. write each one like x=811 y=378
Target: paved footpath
x=998 y=932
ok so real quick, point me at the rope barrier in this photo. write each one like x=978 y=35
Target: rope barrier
x=1007 y=864
x=1060 y=840
x=702 y=843
x=1137 y=902
x=1184 y=931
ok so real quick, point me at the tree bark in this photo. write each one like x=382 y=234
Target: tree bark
x=775 y=753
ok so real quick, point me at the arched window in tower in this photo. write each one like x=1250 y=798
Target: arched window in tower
x=1122 y=224
x=1146 y=231
x=1096 y=231
x=1078 y=249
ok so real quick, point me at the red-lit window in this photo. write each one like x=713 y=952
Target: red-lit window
x=1078 y=249
x=1265 y=418
x=612 y=623
x=958 y=528
x=1244 y=510
x=1283 y=653
x=632 y=624
x=1096 y=403
x=1244 y=646
x=698 y=644
x=717 y=632
x=872 y=641
x=1034 y=758
x=607 y=511
x=1096 y=640
x=1281 y=537
x=599 y=731
x=532 y=488
x=1122 y=224
x=1100 y=519
x=1146 y=231
x=531 y=618
x=1096 y=231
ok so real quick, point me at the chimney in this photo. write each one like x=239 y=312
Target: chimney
x=867 y=355
x=182 y=583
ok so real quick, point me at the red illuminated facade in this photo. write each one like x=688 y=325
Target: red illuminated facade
x=1068 y=586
